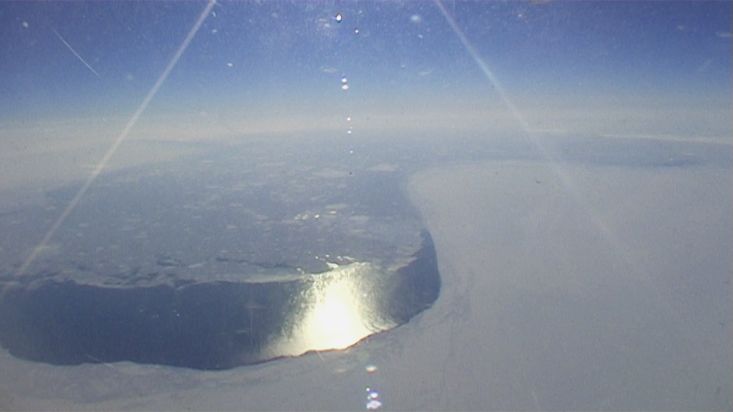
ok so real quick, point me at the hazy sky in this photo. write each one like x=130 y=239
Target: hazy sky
x=283 y=61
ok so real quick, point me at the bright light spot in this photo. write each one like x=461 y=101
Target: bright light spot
x=356 y=31
x=372 y=399
x=344 y=87
x=339 y=17
x=335 y=321
x=348 y=118
x=371 y=368
x=415 y=18
x=333 y=315
x=24 y=24
x=344 y=80
x=230 y=64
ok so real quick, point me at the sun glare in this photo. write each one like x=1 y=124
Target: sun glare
x=338 y=311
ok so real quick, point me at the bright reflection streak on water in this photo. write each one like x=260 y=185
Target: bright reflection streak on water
x=214 y=325
x=336 y=311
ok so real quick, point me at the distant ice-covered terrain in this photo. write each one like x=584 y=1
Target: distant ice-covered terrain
x=594 y=274
x=237 y=255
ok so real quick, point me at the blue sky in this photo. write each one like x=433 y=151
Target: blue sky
x=285 y=60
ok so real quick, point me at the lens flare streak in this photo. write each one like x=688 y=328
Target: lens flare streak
x=118 y=141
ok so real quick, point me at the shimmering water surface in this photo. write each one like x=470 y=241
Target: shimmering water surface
x=221 y=260
x=214 y=325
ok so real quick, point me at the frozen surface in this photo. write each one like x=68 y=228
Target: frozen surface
x=589 y=283
x=237 y=255
x=180 y=179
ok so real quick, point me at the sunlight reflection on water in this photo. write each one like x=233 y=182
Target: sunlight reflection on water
x=214 y=325
x=335 y=312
